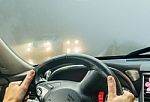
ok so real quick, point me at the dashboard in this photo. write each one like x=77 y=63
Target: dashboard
x=146 y=87
x=134 y=75
x=138 y=72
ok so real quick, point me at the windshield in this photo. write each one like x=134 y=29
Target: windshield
x=40 y=29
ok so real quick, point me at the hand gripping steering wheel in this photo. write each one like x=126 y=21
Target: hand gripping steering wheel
x=71 y=91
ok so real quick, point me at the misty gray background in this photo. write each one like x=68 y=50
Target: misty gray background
x=102 y=25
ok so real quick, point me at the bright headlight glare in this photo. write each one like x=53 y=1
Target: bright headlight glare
x=77 y=50
x=30 y=61
x=76 y=41
x=48 y=49
x=30 y=44
x=28 y=49
x=68 y=50
x=47 y=44
x=68 y=42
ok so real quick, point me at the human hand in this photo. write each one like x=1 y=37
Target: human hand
x=112 y=95
x=16 y=91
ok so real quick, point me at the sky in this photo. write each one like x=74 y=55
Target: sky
x=98 y=23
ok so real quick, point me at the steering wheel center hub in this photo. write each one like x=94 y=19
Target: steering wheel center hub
x=62 y=95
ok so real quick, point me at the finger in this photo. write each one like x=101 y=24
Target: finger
x=28 y=79
x=6 y=90
x=128 y=94
x=15 y=83
x=111 y=87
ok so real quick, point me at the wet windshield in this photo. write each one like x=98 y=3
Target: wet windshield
x=40 y=29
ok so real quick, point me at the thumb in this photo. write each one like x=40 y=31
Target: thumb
x=111 y=87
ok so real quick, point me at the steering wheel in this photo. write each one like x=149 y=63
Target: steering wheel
x=71 y=91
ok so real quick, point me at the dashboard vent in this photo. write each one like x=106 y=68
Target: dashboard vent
x=146 y=87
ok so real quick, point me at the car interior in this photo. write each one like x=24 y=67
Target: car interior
x=78 y=77
x=73 y=46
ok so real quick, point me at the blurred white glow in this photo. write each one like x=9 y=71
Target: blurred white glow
x=47 y=44
x=30 y=61
x=77 y=50
x=48 y=49
x=72 y=46
x=76 y=41
x=28 y=49
x=30 y=44
x=68 y=50
x=68 y=42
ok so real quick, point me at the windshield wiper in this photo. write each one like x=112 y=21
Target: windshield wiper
x=135 y=54
x=139 y=52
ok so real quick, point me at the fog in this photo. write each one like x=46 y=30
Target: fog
x=98 y=23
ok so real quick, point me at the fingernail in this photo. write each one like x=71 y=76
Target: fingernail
x=31 y=73
x=110 y=78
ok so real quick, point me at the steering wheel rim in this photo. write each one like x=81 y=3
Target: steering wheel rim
x=67 y=59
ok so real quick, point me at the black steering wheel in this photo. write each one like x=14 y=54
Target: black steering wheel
x=71 y=91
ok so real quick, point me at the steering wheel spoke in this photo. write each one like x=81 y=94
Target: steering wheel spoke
x=41 y=91
x=92 y=83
